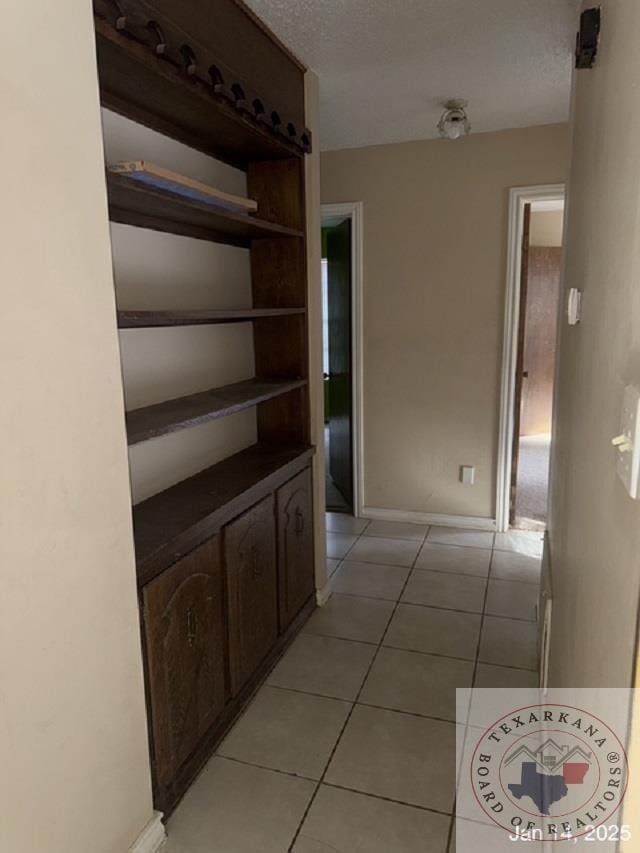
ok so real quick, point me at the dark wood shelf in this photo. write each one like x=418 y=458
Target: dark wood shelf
x=156 y=93
x=227 y=555
x=173 y=522
x=153 y=319
x=137 y=204
x=182 y=412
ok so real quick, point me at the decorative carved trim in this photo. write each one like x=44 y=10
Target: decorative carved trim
x=138 y=21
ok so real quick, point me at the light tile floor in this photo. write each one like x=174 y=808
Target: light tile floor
x=350 y=744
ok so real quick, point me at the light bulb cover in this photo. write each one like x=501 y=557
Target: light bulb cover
x=454 y=123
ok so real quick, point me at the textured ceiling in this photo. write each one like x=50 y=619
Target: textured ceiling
x=386 y=65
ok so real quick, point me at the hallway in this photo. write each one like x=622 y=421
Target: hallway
x=349 y=746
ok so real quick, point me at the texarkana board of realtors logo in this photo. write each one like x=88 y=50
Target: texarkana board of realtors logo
x=549 y=771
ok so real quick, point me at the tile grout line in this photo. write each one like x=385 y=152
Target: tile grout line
x=425 y=541
x=355 y=701
x=335 y=746
x=244 y=763
x=490 y=579
x=468 y=575
x=484 y=605
x=413 y=567
x=468 y=709
x=438 y=606
x=386 y=799
x=292 y=775
x=363 y=533
x=473 y=684
x=365 y=704
x=534 y=622
x=418 y=651
x=331 y=785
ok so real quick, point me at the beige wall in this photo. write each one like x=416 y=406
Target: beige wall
x=316 y=382
x=156 y=270
x=546 y=228
x=595 y=526
x=435 y=234
x=73 y=739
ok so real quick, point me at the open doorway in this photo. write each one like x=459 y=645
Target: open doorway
x=341 y=361
x=531 y=327
x=533 y=404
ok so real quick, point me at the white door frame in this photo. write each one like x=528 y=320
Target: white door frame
x=518 y=198
x=353 y=210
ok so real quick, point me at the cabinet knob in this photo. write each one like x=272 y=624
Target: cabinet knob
x=299 y=521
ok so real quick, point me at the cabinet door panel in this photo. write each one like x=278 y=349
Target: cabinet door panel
x=250 y=559
x=184 y=634
x=295 y=546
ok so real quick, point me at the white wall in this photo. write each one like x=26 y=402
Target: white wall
x=73 y=739
x=156 y=270
x=595 y=526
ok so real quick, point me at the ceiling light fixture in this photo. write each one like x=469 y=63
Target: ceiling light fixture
x=454 y=123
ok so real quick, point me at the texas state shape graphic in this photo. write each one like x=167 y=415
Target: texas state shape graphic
x=544 y=790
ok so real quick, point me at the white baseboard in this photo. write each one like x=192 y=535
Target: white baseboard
x=152 y=837
x=323 y=595
x=470 y=521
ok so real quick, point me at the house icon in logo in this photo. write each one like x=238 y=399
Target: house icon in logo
x=546 y=772
x=551 y=755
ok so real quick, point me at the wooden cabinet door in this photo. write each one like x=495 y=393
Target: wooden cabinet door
x=184 y=636
x=250 y=558
x=295 y=546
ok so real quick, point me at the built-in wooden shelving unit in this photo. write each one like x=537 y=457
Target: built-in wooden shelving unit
x=133 y=203
x=209 y=113
x=156 y=319
x=225 y=558
x=194 y=409
x=167 y=524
